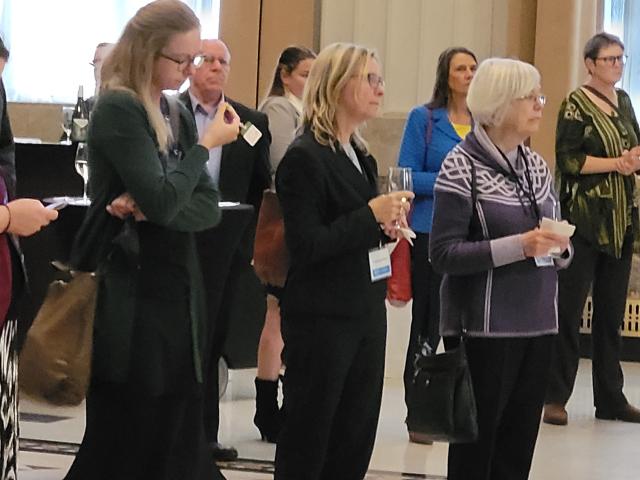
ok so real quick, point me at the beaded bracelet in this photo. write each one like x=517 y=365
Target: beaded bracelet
x=8 y=221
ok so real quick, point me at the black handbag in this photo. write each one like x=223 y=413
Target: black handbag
x=441 y=403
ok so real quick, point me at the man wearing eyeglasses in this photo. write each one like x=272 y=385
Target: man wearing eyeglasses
x=102 y=50
x=242 y=174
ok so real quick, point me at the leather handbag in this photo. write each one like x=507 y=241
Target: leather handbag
x=441 y=402
x=55 y=362
x=399 y=283
x=270 y=255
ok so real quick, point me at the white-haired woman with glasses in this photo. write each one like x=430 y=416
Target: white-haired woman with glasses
x=596 y=157
x=499 y=283
x=333 y=308
x=144 y=405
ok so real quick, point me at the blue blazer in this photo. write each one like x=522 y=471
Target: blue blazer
x=425 y=160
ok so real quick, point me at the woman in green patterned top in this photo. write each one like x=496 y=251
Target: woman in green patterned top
x=596 y=157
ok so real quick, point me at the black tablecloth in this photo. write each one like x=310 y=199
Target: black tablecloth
x=46 y=170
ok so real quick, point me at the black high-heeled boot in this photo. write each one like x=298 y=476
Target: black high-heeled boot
x=268 y=417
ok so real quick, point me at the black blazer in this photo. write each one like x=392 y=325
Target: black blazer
x=329 y=230
x=244 y=170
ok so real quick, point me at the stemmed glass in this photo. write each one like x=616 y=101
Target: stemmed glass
x=400 y=180
x=82 y=169
x=67 y=115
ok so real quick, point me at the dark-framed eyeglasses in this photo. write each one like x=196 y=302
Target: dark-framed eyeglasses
x=196 y=61
x=613 y=59
x=540 y=99
x=375 y=80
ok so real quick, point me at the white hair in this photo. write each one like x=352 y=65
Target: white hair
x=496 y=83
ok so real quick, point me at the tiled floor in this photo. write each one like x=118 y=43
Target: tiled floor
x=587 y=449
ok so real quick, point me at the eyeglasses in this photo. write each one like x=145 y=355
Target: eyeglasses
x=212 y=59
x=540 y=99
x=613 y=59
x=375 y=80
x=196 y=61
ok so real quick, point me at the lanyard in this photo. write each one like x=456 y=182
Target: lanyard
x=531 y=194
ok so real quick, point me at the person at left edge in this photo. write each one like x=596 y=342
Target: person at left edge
x=242 y=173
x=23 y=216
x=144 y=405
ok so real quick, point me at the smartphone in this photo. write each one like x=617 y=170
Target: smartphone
x=57 y=205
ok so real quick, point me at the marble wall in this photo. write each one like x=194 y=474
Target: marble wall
x=410 y=34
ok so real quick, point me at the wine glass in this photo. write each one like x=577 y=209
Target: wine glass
x=67 y=115
x=82 y=169
x=400 y=180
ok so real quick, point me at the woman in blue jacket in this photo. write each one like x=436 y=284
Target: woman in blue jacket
x=432 y=130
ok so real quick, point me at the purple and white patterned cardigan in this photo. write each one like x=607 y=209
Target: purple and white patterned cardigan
x=489 y=288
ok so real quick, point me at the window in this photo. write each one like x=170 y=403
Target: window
x=52 y=43
x=622 y=18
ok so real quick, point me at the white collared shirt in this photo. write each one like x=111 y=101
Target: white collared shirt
x=351 y=153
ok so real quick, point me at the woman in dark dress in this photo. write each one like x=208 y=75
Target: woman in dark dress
x=144 y=407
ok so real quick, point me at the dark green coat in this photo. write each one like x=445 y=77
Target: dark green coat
x=150 y=308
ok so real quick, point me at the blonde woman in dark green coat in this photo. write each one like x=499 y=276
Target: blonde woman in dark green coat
x=150 y=192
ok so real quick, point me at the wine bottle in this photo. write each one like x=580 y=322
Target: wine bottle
x=79 y=119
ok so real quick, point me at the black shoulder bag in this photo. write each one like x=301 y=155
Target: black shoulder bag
x=442 y=405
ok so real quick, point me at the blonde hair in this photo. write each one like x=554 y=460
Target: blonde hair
x=497 y=82
x=130 y=64
x=332 y=69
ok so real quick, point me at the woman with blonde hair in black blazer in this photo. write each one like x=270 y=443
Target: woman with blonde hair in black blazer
x=333 y=309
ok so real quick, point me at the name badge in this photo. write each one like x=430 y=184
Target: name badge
x=379 y=264
x=544 y=261
x=250 y=133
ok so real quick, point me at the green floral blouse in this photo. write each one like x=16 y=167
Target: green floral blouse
x=601 y=205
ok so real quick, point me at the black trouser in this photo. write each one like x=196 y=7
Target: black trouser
x=609 y=278
x=509 y=378
x=425 y=311
x=217 y=340
x=220 y=252
x=332 y=395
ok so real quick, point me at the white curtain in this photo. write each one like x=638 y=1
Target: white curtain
x=52 y=43
x=622 y=18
